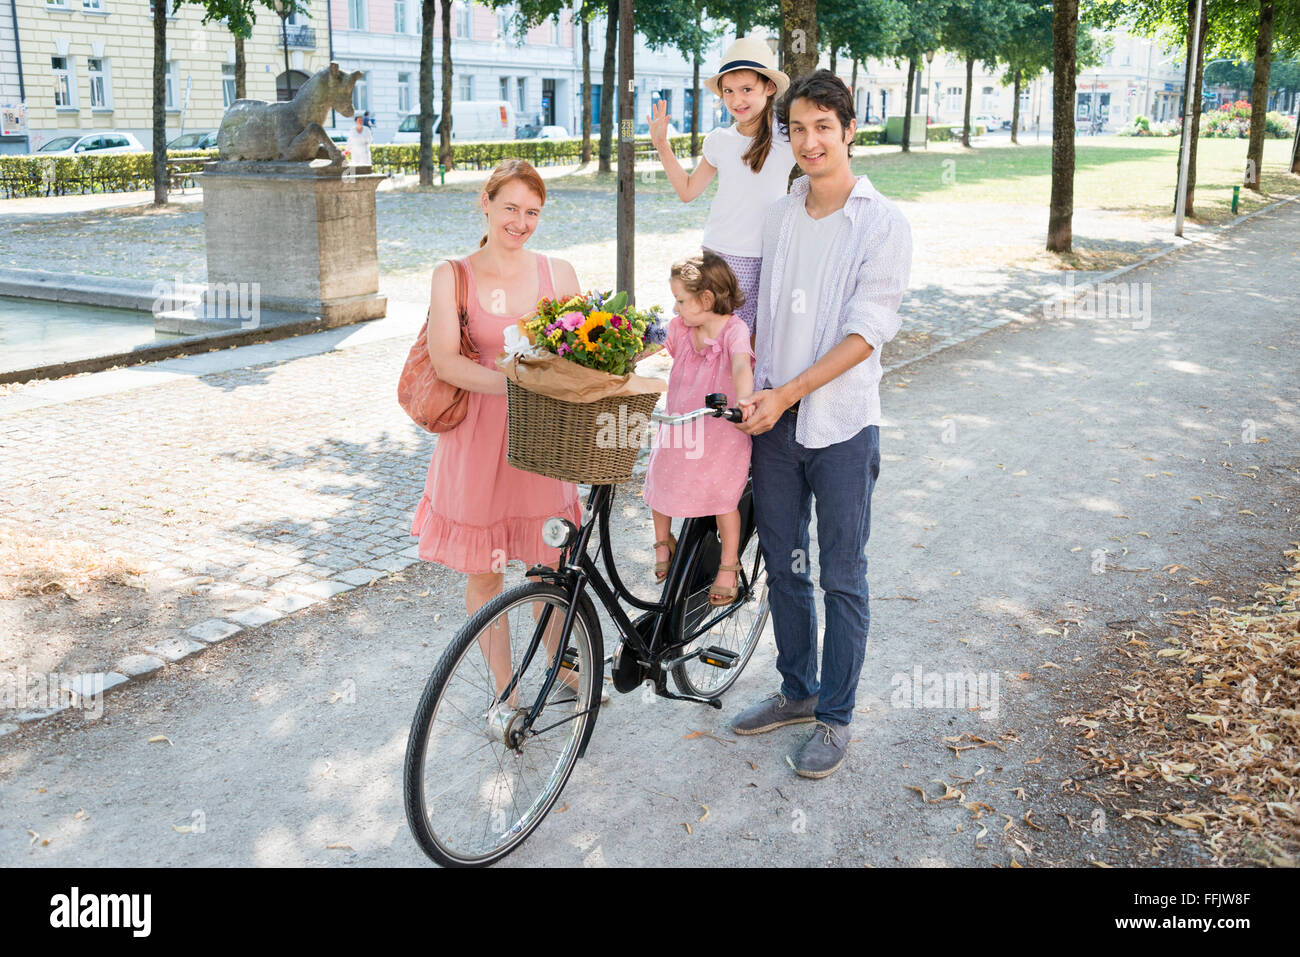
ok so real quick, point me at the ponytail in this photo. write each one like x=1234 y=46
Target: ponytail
x=762 y=145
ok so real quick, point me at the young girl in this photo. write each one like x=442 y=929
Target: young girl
x=752 y=160
x=711 y=353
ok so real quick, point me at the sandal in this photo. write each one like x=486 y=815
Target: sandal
x=661 y=568
x=720 y=595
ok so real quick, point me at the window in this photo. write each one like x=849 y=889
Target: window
x=171 y=9
x=988 y=100
x=595 y=104
x=99 y=90
x=466 y=88
x=173 y=85
x=96 y=6
x=361 y=94
x=523 y=93
x=56 y=4
x=953 y=101
x=399 y=16
x=62 y=82
x=227 y=84
x=356 y=14
x=464 y=21
x=505 y=88
x=555 y=30
x=403 y=93
x=503 y=24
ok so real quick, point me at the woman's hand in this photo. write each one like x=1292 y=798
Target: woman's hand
x=659 y=124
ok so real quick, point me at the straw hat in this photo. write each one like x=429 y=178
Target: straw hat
x=749 y=53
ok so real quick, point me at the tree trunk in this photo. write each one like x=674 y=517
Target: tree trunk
x=970 y=79
x=1295 y=147
x=444 y=137
x=907 y=106
x=586 y=88
x=608 y=92
x=1259 y=96
x=426 y=92
x=1015 y=108
x=160 y=103
x=695 y=107
x=853 y=88
x=625 y=237
x=1065 y=26
x=241 y=69
x=799 y=37
x=1194 y=100
x=832 y=58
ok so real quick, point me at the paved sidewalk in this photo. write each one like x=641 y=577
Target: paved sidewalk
x=1010 y=462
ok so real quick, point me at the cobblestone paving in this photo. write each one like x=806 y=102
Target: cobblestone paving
x=273 y=486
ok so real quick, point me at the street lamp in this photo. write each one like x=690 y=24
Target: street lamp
x=283 y=9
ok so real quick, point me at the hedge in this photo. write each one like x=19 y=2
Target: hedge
x=124 y=172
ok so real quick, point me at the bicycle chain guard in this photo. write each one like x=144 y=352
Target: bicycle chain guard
x=626 y=671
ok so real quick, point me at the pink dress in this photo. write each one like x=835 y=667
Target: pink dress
x=699 y=468
x=478 y=511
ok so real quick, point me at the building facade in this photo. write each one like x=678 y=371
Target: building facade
x=1134 y=79
x=539 y=73
x=88 y=64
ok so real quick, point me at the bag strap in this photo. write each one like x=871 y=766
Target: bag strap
x=459 y=268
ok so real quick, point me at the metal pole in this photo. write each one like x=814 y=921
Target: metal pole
x=1188 y=93
x=626 y=280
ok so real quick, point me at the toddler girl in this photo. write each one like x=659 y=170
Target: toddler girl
x=711 y=352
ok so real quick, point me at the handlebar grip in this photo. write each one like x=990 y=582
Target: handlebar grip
x=734 y=415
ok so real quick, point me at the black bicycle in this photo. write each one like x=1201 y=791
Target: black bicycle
x=513 y=701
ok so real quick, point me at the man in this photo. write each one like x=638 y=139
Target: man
x=836 y=259
x=359 y=140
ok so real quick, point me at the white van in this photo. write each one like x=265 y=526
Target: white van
x=471 y=121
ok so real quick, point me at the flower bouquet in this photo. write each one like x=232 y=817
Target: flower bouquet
x=577 y=411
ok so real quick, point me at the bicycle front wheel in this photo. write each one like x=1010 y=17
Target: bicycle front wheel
x=738 y=632
x=478 y=778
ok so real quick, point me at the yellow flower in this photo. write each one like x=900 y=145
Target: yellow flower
x=596 y=320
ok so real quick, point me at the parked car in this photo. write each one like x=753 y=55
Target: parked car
x=99 y=142
x=527 y=131
x=206 y=140
x=471 y=120
x=988 y=121
x=552 y=133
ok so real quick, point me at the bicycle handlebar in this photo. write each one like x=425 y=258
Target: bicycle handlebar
x=715 y=405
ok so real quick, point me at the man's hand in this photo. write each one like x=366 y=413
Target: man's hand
x=762 y=410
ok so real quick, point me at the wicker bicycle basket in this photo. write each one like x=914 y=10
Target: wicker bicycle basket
x=563 y=440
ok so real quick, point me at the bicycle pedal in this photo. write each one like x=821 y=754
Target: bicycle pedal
x=719 y=657
x=569 y=659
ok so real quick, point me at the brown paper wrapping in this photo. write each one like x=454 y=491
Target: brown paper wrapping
x=559 y=378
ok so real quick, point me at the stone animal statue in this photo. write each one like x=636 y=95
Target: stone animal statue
x=256 y=130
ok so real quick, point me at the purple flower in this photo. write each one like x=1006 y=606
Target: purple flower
x=656 y=334
x=564 y=349
x=616 y=321
x=572 y=320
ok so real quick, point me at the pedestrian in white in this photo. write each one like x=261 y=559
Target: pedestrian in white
x=751 y=158
x=359 y=140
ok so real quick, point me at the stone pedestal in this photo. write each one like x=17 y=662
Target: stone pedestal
x=304 y=234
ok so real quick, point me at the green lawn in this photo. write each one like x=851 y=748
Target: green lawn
x=1128 y=174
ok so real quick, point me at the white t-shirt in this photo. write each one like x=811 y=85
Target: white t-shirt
x=359 y=146
x=735 y=223
x=794 y=314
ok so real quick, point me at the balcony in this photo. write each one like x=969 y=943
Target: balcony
x=301 y=37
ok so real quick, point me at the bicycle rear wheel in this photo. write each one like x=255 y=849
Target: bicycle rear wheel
x=738 y=632
x=476 y=784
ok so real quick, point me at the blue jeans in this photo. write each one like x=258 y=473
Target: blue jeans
x=841 y=476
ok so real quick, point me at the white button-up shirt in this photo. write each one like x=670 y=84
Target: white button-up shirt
x=862 y=285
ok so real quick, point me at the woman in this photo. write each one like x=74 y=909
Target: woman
x=478 y=512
